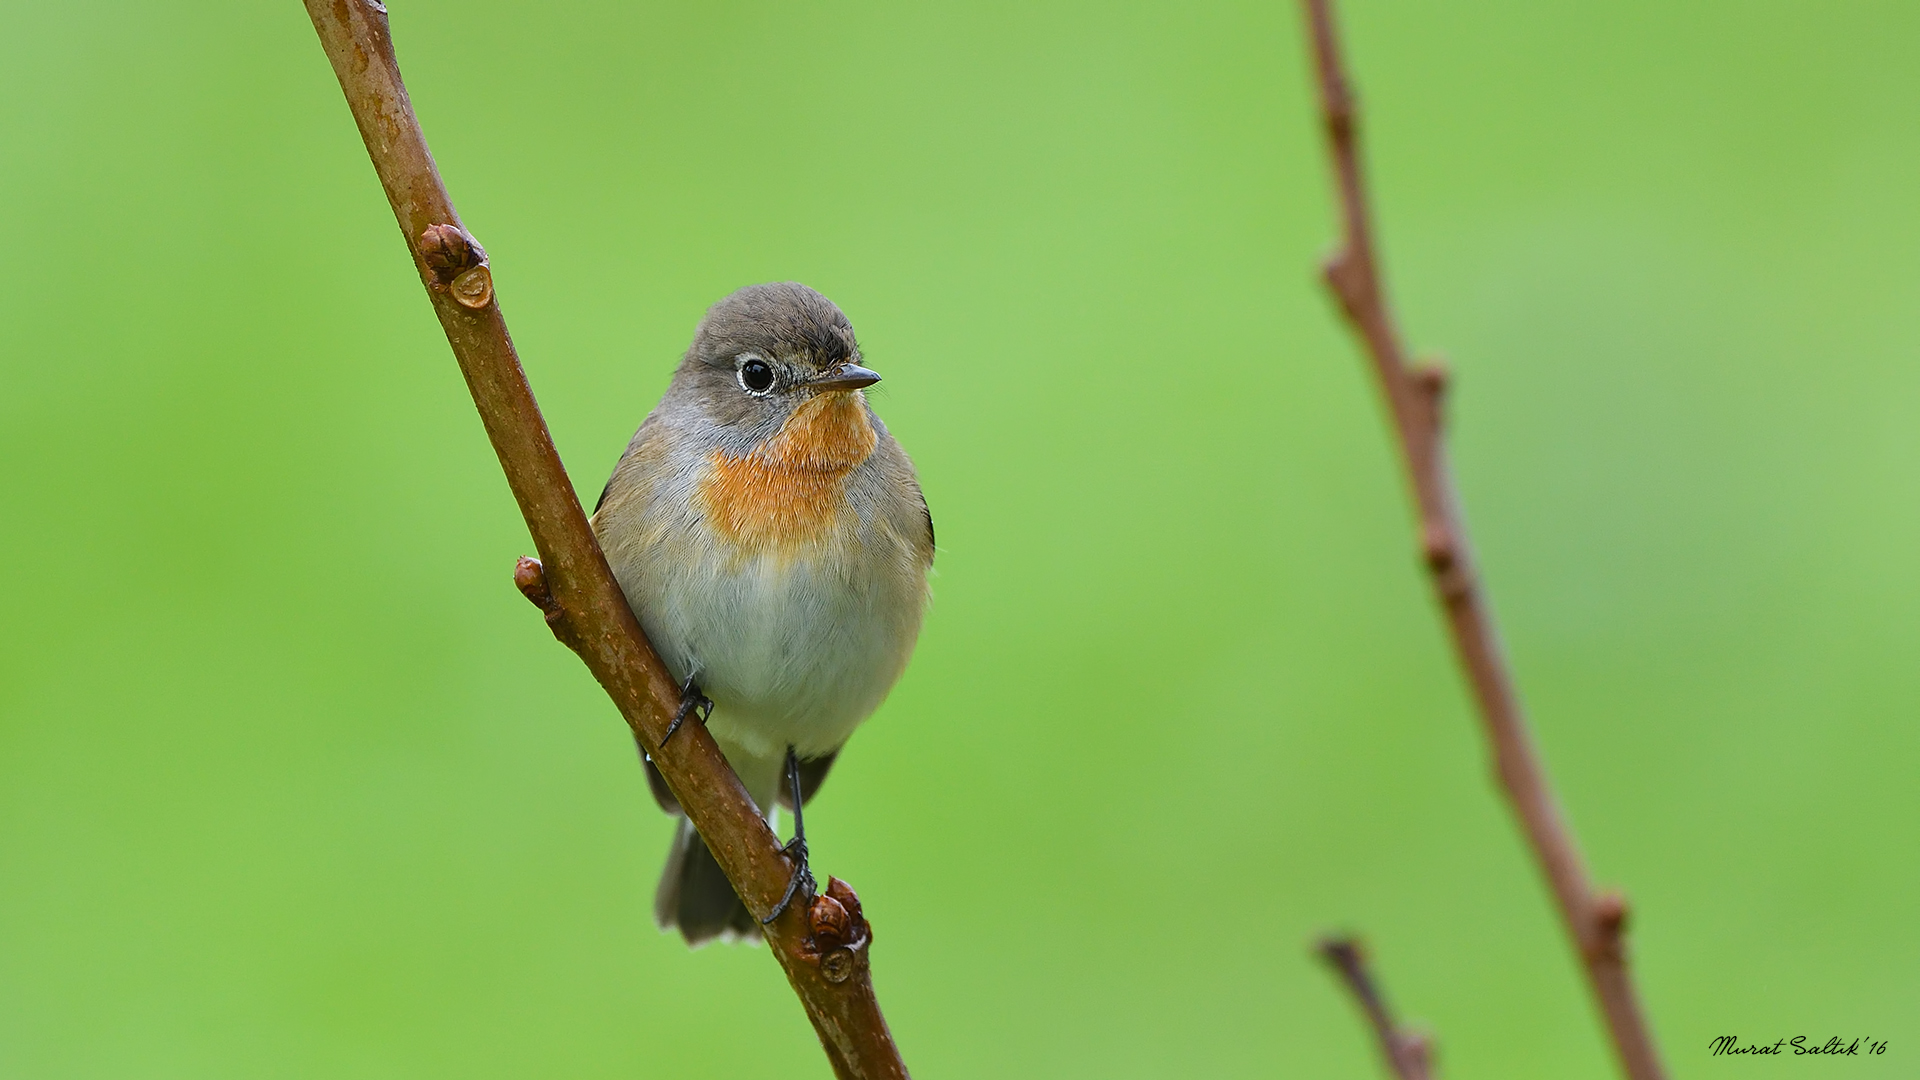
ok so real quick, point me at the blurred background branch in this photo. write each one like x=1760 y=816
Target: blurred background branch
x=1409 y=1054
x=1414 y=397
x=822 y=946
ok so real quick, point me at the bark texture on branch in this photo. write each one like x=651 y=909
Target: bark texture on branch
x=823 y=947
x=1414 y=394
x=1407 y=1053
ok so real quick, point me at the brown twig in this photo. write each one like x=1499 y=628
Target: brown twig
x=823 y=946
x=1414 y=394
x=1409 y=1054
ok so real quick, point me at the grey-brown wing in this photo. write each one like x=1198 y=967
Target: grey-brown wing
x=896 y=473
x=633 y=445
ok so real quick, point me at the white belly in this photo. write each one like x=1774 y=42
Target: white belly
x=793 y=651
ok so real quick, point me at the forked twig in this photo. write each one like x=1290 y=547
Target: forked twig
x=823 y=946
x=1594 y=921
x=1408 y=1054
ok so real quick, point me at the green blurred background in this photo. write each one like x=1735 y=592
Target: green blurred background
x=293 y=783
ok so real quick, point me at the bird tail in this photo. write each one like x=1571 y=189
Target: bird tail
x=695 y=896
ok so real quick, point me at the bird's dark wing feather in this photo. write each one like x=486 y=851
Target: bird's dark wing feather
x=656 y=783
x=813 y=773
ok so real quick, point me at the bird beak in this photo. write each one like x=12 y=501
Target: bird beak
x=845 y=377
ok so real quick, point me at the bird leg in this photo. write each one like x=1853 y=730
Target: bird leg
x=796 y=848
x=691 y=701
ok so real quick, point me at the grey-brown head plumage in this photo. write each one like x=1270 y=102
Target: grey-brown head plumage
x=784 y=320
x=801 y=337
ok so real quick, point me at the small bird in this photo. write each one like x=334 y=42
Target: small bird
x=771 y=538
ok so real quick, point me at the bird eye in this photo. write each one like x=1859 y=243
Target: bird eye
x=755 y=376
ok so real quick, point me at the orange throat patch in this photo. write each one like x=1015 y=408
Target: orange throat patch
x=791 y=489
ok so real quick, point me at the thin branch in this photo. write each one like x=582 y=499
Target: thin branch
x=823 y=946
x=1595 y=922
x=1409 y=1054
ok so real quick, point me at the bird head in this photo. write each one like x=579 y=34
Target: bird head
x=768 y=353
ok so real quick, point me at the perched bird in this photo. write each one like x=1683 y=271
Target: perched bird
x=771 y=537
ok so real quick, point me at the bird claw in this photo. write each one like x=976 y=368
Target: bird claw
x=796 y=848
x=692 y=701
x=800 y=883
